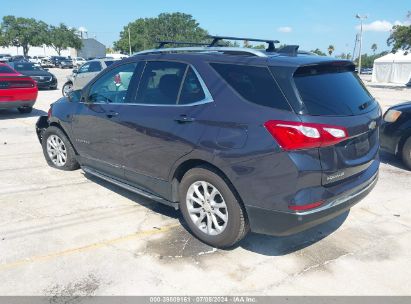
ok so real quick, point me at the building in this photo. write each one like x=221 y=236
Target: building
x=91 y=48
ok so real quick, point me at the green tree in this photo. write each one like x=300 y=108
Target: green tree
x=330 y=49
x=23 y=32
x=400 y=38
x=374 y=47
x=318 y=52
x=145 y=32
x=61 y=37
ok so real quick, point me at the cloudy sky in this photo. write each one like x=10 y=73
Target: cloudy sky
x=309 y=23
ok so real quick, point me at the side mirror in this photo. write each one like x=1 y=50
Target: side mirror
x=74 y=96
x=75 y=71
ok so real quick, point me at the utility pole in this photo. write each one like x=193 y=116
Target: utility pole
x=129 y=40
x=361 y=18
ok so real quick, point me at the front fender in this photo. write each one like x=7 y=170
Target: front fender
x=41 y=125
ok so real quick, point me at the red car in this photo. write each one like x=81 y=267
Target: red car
x=16 y=90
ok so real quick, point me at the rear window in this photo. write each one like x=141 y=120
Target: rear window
x=333 y=93
x=6 y=70
x=255 y=84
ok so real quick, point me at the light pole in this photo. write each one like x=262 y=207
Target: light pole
x=129 y=40
x=361 y=18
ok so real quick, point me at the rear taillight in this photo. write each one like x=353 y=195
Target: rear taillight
x=19 y=84
x=49 y=112
x=293 y=135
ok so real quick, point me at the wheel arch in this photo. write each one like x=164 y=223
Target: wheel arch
x=58 y=125
x=187 y=165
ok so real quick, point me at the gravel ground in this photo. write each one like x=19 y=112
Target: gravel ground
x=63 y=233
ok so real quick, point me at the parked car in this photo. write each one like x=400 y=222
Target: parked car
x=61 y=61
x=18 y=58
x=396 y=132
x=84 y=74
x=16 y=90
x=235 y=138
x=78 y=61
x=66 y=63
x=46 y=63
x=44 y=79
x=5 y=57
x=36 y=60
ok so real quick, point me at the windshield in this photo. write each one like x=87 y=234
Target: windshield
x=23 y=66
x=6 y=70
x=108 y=62
x=334 y=93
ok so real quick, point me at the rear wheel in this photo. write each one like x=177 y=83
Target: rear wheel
x=406 y=153
x=25 y=110
x=211 y=209
x=58 y=150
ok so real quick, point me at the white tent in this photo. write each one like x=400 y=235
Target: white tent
x=394 y=68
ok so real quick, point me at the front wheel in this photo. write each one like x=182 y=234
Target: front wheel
x=58 y=151
x=211 y=209
x=67 y=88
x=406 y=153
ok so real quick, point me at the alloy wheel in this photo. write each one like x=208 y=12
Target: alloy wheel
x=207 y=208
x=56 y=150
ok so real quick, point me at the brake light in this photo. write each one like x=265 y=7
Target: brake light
x=49 y=113
x=299 y=135
x=305 y=207
x=19 y=84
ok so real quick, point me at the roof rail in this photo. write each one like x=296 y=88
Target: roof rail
x=161 y=44
x=227 y=50
x=271 y=46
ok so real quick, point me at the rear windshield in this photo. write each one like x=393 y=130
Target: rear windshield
x=333 y=93
x=6 y=70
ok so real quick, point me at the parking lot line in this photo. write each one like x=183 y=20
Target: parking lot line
x=93 y=246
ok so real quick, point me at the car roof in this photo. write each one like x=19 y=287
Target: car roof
x=271 y=59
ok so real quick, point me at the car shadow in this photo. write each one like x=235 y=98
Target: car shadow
x=278 y=246
x=15 y=114
x=258 y=243
x=138 y=199
x=392 y=160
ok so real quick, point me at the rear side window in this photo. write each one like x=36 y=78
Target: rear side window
x=338 y=93
x=95 y=66
x=191 y=91
x=255 y=84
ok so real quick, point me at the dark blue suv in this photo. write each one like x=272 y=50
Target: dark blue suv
x=272 y=141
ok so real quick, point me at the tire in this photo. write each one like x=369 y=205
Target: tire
x=232 y=221
x=60 y=140
x=406 y=153
x=25 y=110
x=67 y=87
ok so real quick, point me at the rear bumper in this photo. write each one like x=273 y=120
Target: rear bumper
x=16 y=104
x=281 y=223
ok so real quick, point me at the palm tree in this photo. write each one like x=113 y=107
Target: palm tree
x=331 y=49
x=374 y=47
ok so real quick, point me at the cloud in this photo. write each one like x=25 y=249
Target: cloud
x=285 y=29
x=381 y=25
